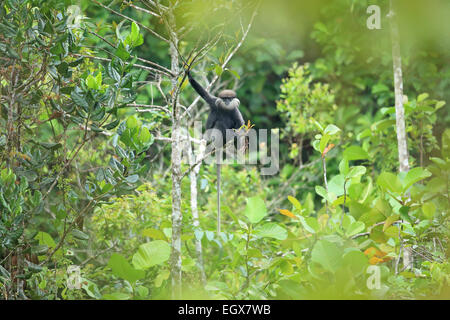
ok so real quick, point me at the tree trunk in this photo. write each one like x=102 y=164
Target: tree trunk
x=399 y=112
x=175 y=261
x=194 y=208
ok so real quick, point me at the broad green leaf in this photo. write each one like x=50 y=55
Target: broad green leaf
x=150 y=254
x=163 y=275
x=121 y=268
x=355 y=153
x=271 y=230
x=356 y=172
x=343 y=166
x=45 y=239
x=356 y=261
x=422 y=97
x=327 y=254
x=132 y=122
x=310 y=224
x=355 y=228
x=154 y=233
x=413 y=176
x=255 y=210
x=389 y=181
x=404 y=213
x=428 y=209
x=321 y=191
x=390 y=220
x=331 y=129
x=91 y=83
x=145 y=135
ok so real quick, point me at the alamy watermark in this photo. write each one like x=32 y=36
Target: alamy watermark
x=374 y=280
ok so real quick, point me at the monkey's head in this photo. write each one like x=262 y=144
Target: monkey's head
x=227 y=100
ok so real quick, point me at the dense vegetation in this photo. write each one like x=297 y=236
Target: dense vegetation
x=97 y=202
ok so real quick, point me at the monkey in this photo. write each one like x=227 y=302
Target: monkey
x=223 y=115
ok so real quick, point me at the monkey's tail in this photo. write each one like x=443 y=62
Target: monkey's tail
x=218 y=198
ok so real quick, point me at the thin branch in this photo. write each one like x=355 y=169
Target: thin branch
x=140 y=59
x=142 y=9
x=134 y=65
x=148 y=107
x=130 y=19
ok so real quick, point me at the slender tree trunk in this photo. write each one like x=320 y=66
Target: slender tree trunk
x=194 y=209
x=399 y=112
x=175 y=261
x=177 y=216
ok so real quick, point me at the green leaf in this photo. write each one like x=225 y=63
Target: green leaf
x=80 y=234
x=389 y=181
x=355 y=153
x=98 y=80
x=132 y=122
x=428 y=209
x=321 y=191
x=112 y=124
x=45 y=239
x=327 y=254
x=132 y=179
x=390 y=220
x=404 y=213
x=154 y=233
x=163 y=275
x=323 y=142
x=271 y=230
x=422 y=97
x=122 y=269
x=218 y=70
x=356 y=261
x=51 y=146
x=145 y=135
x=331 y=129
x=91 y=83
x=122 y=52
x=134 y=31
x=79 y=100
x=356 y=172
x=150 y=254
x=310 y=224
x=343 y=166
x=355 y=228
x=233 y=72
x=413 y=176
x=255 y=210
x=295 y=203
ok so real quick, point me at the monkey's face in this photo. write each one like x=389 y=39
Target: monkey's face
x=228 y=103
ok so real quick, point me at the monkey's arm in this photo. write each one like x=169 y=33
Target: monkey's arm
x=210 y=99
